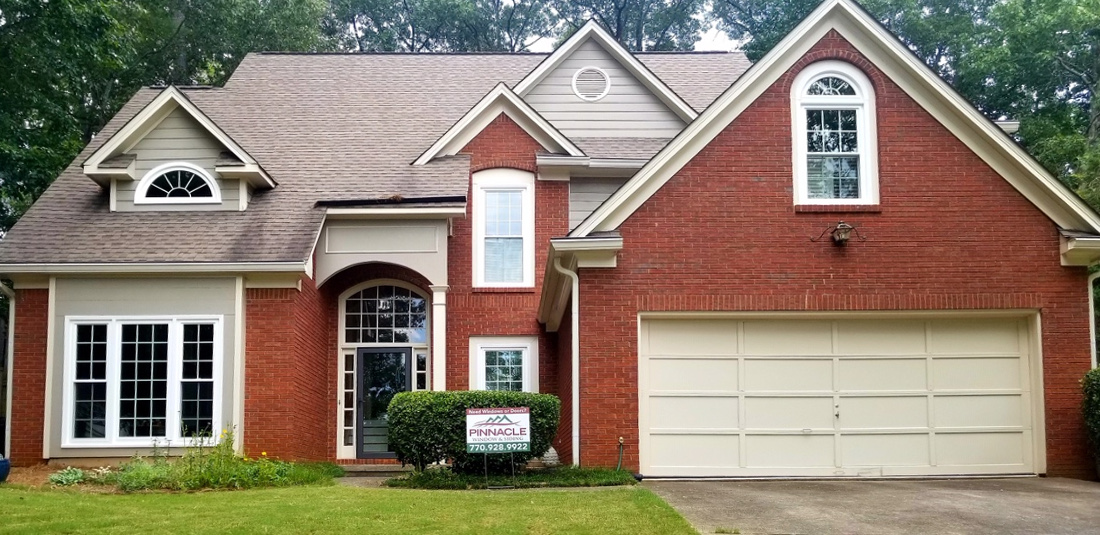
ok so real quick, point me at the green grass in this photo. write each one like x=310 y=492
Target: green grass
x=558 y=477
x=340 y=509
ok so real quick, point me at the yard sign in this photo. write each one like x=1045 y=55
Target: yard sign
x=502 y=430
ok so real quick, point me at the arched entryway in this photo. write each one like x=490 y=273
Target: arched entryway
x=384 y=340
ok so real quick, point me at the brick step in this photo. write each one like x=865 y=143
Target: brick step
x=375 y=470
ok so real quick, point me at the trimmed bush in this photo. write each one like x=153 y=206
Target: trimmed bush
x=1091 y=408
x=427 y=427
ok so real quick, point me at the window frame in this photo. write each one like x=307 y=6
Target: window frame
x=504 y=179
x=173 y=437
x=529 y=345
x=867 y=132
x=142 y=190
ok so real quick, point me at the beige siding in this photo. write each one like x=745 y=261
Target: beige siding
x=628 y=110
x=178 y=138
x=139 y=297
x=587 y=194
x=420 y=245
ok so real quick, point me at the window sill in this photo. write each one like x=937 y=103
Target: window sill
x=504 y=290
x=838 y=208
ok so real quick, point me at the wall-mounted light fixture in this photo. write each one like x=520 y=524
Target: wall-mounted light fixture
x=840 y=233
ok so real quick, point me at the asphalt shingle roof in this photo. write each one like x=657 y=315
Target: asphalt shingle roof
x=325 y=127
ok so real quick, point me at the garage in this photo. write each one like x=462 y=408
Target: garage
x=858 y=395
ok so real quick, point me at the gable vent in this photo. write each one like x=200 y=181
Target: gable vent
x=591 y=83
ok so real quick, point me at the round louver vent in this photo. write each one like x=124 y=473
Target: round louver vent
x=591 y=83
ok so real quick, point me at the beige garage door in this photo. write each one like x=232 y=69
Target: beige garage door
x=835 y=397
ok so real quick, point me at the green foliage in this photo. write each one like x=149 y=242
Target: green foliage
x=1091 y=408
x=67 y=476
x=639 y=24
x=566 y=476
x=427 y=427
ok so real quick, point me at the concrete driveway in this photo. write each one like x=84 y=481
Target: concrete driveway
x=1001 y=506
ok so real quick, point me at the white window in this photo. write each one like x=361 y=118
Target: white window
x=141 y=381
x=835 y=145
x=504 y=228
x=507 y=363
x=177 y=183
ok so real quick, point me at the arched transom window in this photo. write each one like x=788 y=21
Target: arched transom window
x=177 y=183
x=834 y=136
x=385 y=315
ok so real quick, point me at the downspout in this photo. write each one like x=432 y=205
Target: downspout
x=1092 y=318
x=575 y=341
x=10 y=367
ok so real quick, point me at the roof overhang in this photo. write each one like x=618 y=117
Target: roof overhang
x=573 y=253
x=153 y=268
x=1080 y=250
x=981 y=135
x=592 y=30
x=170 y=99
x=396 y=212
x=557 y=167
x=499 y=100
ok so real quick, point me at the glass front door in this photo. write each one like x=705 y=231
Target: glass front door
x=383 y=372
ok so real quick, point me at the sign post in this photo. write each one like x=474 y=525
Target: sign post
x=498 y=430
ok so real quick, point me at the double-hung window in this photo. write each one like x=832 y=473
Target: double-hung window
x=504 y=228
x=835 y=155
x=141 y=381
x=508 y=363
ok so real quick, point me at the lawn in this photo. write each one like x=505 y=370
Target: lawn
x=339 y=509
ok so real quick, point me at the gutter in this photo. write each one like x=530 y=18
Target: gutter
x=575 y=341
x=10 y=367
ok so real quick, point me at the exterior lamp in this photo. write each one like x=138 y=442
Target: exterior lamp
x=840 y=233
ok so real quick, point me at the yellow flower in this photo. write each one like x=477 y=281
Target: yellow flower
x=264 y=453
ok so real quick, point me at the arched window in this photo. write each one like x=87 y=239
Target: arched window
x=386 y=314
x=835 y=145
x=177 y=183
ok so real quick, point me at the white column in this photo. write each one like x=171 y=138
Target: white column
x=439 y=337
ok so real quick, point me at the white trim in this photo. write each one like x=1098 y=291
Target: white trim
x=239 y=330
x=10 y=371
x=898 y=63
x=242 y=190
x=438 y=321
x=593 y=30
x=114 y=324
x=606 y=88
x=396 y=213
x=51 y=348
x=341 y=302
x=151 y=115
x=113 y=202
x=166 y=267
x=142 y=190
x=504 y=179
x=499 y=100
x=866 y=127
x=529 y=345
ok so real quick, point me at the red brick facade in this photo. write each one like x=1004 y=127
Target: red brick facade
x=28 y=361
x=723 y=235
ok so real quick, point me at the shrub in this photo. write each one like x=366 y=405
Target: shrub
x=66 y=477
x=427 y=427
x=566 y=476
x=1091 y=408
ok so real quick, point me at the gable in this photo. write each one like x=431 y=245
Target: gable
x=629 y=109
x=882 y=49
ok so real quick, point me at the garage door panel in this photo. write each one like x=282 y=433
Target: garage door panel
x=881 y=337
x=690 y=337
x=781 y=337
x=788 y=375
x=698 y=412
x=883 y=412
x=788 y=413
x=976 y=374
x=872 y=375
x=701 y=375
x=975 y=449
x=885 y=450
x=790 y=451
x=979 y=411
x=694 y=454
x=975 y=336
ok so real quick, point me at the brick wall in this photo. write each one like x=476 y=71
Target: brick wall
x=28 y=362
x=723 y=235
x=270 y=372
x=563 y=442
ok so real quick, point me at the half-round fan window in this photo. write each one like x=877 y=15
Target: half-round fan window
x=177 y=183
x=831 y=86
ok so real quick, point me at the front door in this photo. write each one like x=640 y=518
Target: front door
x=383 y=372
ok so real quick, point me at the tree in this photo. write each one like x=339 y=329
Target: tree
x=639 y=25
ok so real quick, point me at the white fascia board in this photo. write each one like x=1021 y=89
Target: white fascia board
x=499 y=100
x=157 y=268
x=1080 y=251
x=396 y=213
x=899 y=64
x=151 y=115
x=592 y=30
x=596 y=252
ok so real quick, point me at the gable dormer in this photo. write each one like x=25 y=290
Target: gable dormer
x=591 y=87
x=172 y=157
